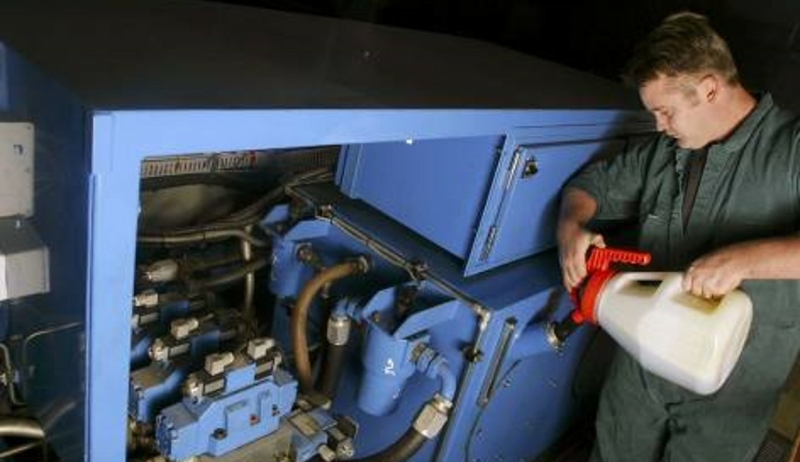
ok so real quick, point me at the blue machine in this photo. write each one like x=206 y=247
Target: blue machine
x=152 y=320
x=231 y=402
x=174 y=356
x=484 y=336
x=423 y=263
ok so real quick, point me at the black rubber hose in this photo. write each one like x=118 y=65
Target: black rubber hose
x=199 y=238
x=403 y=449
x=227 y=278
x=332 y=370
x=300 y=317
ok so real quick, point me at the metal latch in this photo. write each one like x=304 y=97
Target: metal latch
x=530 y=168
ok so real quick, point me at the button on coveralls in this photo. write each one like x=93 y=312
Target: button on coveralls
x=750 y=189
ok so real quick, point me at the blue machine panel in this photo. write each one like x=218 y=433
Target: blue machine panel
x=441 y=173
x=521 y=213
x=488 y=201
x=435 y=187
x=508 y=337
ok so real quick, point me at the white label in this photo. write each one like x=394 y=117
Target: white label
x=389 y=369
x=16 y=169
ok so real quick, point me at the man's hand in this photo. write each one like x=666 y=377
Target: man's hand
x=573 y=243
x=715 y=274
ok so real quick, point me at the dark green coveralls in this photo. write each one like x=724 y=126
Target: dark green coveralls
x=749 y=189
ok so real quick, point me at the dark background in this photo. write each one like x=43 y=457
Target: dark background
x=593 y=35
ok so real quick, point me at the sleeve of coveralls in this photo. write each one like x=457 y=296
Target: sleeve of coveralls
x=616 y=183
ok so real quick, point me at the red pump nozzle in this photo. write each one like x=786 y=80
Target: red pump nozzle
x=598 y=267
x=586 y=295
x=600 y=259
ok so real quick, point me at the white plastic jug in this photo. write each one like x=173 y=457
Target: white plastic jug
x=691 y=341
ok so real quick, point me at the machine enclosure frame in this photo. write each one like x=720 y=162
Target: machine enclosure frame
x=76 y=339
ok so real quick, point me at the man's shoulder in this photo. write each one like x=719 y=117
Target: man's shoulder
x=782 y=119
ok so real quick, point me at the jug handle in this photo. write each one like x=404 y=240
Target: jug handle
x=670 y=281
x=626 y=277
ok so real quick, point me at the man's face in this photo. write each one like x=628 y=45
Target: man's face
x=679 y=111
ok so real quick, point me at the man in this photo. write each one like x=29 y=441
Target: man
x=716 y=193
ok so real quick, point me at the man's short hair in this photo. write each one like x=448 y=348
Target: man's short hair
x=683 y=44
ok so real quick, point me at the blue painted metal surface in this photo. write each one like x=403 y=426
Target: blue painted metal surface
x=387 y=366
x=92 y=138
x=395 y=346
x=247 y=408
x=121 y=139
x=488 y=200
x=521 y=208
x=151 y=323
x=495 y=338
x=450 y=180
x=158 y=384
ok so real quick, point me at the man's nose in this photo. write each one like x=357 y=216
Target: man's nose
x=661 y=123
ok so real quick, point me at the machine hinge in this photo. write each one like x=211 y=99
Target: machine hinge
x=512 y=168
x=490 y=240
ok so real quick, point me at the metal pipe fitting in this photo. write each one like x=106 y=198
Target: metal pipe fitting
x=433 y=416
x=338 y=331
x=21 y=427
x=162 y=271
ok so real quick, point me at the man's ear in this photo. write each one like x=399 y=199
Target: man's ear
x=708 y=88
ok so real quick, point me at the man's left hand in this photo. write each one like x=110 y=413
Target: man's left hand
x=717 y=273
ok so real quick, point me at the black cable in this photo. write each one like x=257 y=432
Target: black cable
x=402 y=450
x=227 y=278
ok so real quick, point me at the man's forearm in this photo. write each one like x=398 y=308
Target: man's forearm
x=774 y=258
x=577 y=208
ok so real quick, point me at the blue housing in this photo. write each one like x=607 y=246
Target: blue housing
x=441 y=164
x=244 y=411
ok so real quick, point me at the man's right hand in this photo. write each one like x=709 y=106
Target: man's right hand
x=573 y=244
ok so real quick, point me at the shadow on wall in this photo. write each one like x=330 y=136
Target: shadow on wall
x=767 y=51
